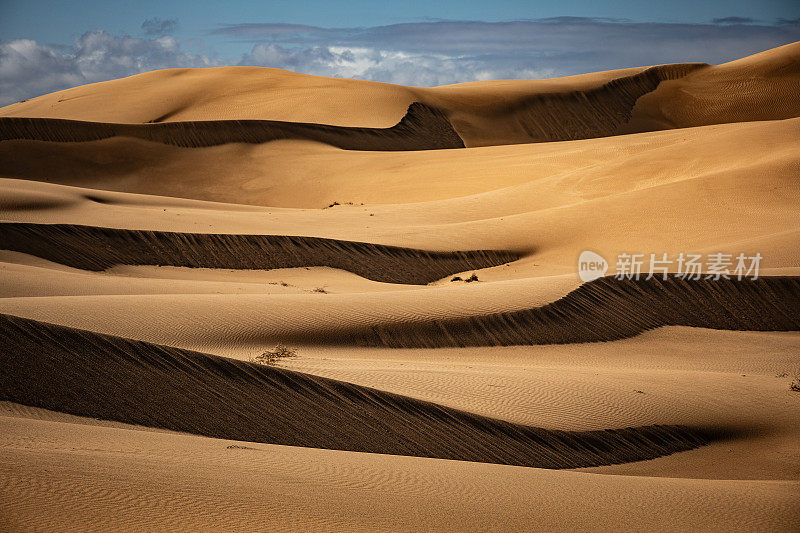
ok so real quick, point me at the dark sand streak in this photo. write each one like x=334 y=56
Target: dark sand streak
x=95 y=248
x=422 y=128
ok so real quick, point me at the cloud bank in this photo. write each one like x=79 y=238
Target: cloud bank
x=424 y=54
x=29 y=69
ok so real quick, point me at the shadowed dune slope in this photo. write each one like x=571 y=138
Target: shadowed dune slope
x=609 y=309
x=89 y=374
x=562 y=115
x=422 y=128
x=94 y=248
x=763 y=86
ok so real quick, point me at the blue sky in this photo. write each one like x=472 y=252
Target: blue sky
x=48 y=45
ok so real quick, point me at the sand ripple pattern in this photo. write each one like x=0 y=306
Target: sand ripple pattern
x=101 y=376
x=421 y=128
x=94 y=248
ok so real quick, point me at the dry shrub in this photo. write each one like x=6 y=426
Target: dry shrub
x=273 y=356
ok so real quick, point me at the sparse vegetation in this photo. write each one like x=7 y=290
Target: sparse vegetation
x=473 y=277
x=273 y=356
x=320 y=290
x=795 y=385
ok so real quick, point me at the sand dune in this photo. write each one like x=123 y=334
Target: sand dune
x=231 y=399
x=212 y=486
x=158 y=231
x=759 y=87
x=582 y=113
x=755 y=157
x=603 y=310
x=577 y=114
x=608 y=309
x=421 y=128
x=92 y=248
x=510 y=111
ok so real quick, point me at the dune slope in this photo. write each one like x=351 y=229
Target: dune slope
x=609 y=309
x=93 y=248
x=153 y=480
x=422 y=128
x=95 y=375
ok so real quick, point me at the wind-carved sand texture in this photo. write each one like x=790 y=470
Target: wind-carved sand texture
x=158 y=232
x=584 y=114
x=85 y=373
x=422 y=128
x=92 y=248
x=609 y=309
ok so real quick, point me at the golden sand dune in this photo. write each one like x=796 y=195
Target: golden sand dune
x=759 y=87
x=231 y=399
x=166 y=480
x=754 y=157
x=609 y=309
x=577 y=114
x=92 y=248
x=603 y=310
x=149 y=222
x=542 y=116
x=482 y=113
x=421 y=128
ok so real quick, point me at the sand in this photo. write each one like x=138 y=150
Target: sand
x=157 y=232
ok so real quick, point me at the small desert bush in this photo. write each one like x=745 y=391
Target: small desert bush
x=795 y=385
x=273 y=356
x=320 y=290
x=473 y=277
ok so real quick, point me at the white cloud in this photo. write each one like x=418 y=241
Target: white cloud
x=422 y=54
x=29 y=69
x=454 y=51
x=390 y=66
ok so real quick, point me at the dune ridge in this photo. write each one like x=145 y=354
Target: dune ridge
x=101 y=376
x=421 y=128
x=568 y=115
x=608 y=309
x=435 y=121
x=96 y=248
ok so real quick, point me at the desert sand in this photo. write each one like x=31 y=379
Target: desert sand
x=160 y=231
